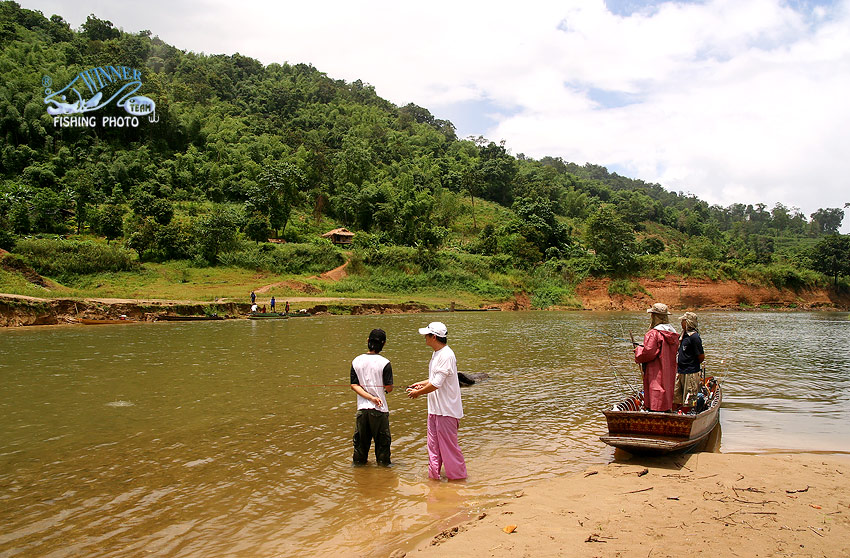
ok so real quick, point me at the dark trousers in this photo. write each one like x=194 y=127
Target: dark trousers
x=371 y=423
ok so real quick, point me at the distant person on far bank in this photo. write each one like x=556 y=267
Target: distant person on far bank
x=272 y=304
x=658 y=352
x=253 y=298
x=254 y=308
x=690 y=357
x=445 y=408
x=371 y=380
x=287 y=307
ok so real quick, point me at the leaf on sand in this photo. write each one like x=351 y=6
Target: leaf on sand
x=509 y=529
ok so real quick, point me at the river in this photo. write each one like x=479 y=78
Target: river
x=233 y=438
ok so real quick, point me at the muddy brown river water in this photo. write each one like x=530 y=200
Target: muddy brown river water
x=233 y=438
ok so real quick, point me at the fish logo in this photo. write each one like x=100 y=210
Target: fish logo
x=72 y=99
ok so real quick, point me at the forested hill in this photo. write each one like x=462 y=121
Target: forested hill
x=240 y=150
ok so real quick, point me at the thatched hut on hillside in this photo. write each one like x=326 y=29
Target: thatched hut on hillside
x=340 y=236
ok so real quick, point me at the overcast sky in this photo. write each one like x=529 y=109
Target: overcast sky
x=731 y=100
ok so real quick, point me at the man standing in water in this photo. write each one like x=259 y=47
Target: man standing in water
x=445 y=408
x=658 y=352
x=371 y=379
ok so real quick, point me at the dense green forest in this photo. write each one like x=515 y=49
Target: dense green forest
x=242 y=152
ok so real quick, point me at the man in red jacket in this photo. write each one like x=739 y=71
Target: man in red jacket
x=658 y=353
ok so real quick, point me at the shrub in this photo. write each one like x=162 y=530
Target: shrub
x=64 y=259
x=293 y=259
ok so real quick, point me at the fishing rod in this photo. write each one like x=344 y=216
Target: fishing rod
x=619 y=377
x=725 y=375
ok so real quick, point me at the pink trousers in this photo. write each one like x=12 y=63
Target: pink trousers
x=443 y=449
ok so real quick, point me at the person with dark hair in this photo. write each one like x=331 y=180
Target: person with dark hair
x=371 y=380
x=253 y=297
x=272 y=304
x=445 y=408
x=658 y=353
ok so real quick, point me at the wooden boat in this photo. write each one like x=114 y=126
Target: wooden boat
x=88 y=321
x=299 y=315
x=640 y=431
x=168 y=318
x=267 y=316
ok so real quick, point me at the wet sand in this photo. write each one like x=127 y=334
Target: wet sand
x=703 y=504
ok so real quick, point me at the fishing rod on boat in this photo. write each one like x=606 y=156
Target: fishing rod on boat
x=617 y=376
x=726 y=374
x=620 y=378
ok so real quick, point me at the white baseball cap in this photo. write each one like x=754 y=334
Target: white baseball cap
x=435 y=328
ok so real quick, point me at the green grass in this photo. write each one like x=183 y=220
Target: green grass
x=15 y=283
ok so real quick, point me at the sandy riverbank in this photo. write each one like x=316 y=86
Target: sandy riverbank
x=704 y=504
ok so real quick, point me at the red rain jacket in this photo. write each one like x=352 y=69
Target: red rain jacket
x=659 y=377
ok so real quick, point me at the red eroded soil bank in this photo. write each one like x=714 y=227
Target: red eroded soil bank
x=683 y=294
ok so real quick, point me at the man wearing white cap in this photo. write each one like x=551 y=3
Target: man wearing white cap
x=445 y=408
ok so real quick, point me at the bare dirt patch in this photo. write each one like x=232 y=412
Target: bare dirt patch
x=335 y=274
x=296 y=286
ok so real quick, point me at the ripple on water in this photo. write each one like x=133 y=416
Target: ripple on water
x=120 y=403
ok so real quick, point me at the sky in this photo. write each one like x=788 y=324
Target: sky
x=734 y=101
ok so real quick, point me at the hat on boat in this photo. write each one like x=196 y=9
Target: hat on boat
x=435 y=328
x=659 y=308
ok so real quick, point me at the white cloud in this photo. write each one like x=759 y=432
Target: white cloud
x=732 y=100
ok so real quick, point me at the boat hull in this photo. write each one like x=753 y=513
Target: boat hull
x=187 y=318
x=639 y=431
x=268 y=316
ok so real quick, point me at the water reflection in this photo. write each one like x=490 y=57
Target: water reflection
x=234 y=438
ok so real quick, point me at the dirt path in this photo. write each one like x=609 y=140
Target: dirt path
x=336 y=273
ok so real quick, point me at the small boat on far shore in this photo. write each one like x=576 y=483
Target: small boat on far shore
x=267 y=316
x=172 y=318
x=639 y=431
x=88 y=321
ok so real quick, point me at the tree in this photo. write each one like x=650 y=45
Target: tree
x=611 y=239
x=215 y=233
x=82 y=189
x=537 y=223
x=257 y=228
x=48 y=208
x=145 y=204
x=471 y=183
x=111 y=222
x=831 y=256
x=99 y=29
x=275 y=194
x=497 y=170
x=827 y=221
